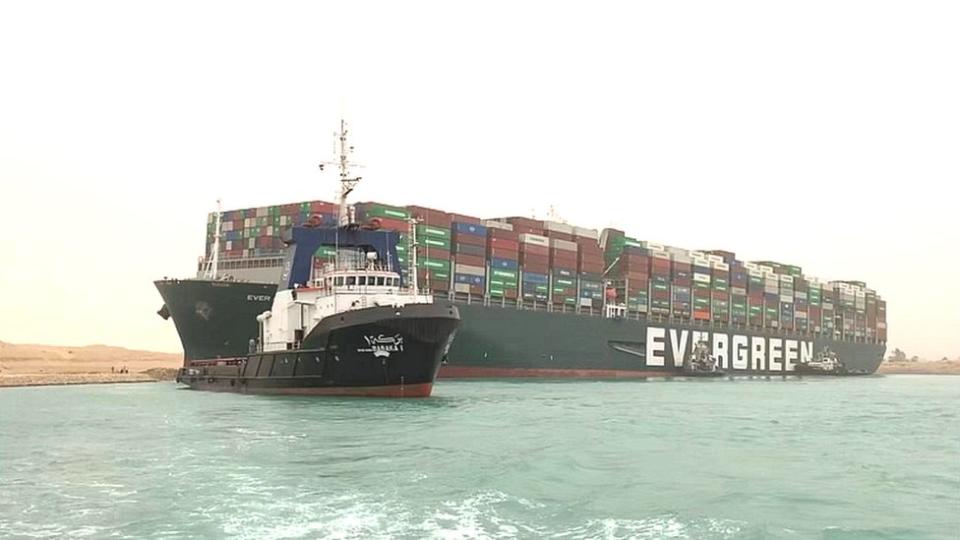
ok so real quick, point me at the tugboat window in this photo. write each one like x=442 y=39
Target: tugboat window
x=351 y=281
x=380 y=280
x=338 y=281
x=363 y=280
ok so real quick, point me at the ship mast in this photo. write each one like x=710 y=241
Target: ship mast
x=214 y=261
x=347 y=184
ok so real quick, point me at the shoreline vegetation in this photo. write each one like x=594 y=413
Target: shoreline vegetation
x=44 y=365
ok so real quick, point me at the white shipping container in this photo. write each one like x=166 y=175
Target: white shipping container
x=720 y=265
x=586 y=233
x=755 y=272
x=227 y=227
x=766 y=269
x=229 y=245
x=469 y=270
x=740 y=291
x=702 y=278
x=786 y=279
x=786 y=298
x=494 y=224
x=248 y=222
x=751 y=266
x=655 y=246
x=557 y=227
x=586 y=302
x=565 y=245
x=701 y=262
x=262 y=212
x=672 y=250
x=681 y=258
x=715 y=258
x=660 y=255
x=461 y=287
x=534 y=239
x=251 y=243
x=800 y=314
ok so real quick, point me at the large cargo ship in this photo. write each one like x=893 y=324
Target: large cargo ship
x=545 y=298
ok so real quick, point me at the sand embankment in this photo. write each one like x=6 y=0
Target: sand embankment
x=950 y=367
x=37 y=365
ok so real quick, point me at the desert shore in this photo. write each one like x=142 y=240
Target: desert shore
x=43 y=365
x=950 y=367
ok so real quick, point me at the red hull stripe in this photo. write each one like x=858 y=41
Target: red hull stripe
x=470 y=372
x=407 y=390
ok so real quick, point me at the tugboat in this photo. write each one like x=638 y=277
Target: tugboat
x=352 y=327
x=827 y=362
x=700 y=363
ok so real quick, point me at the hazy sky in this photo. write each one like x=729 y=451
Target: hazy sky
x=823 y=134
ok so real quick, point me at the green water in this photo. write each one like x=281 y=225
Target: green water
x=875 y=457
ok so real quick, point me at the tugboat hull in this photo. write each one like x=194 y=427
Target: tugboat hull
x=375 y=352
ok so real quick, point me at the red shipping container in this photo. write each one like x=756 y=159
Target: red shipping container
x=430 y=216
x=466 y=219
x=429 y=279
x=520 y=229
x=387 y=224
x=564 y=256
x=524 y=222
x=559 y=235
x=322 y=207
x=533 y=249
x=535 y=268
x=510 y=294
x=510 y=254
x=433 y=253
x=470 y=239
x=503 y=243
x=591 y=268
x=502 y=234
x=540 y=260
x=701 y=315
x=472 y=260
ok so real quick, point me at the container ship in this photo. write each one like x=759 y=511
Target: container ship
x=543 y=298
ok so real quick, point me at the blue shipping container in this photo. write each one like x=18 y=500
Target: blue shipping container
x=468 y=278
x=504 y=264
x=469 y=228
x=529 y=277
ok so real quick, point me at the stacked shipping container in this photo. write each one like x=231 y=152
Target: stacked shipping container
x=551 y=262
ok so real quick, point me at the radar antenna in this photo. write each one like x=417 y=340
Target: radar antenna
x=347 y=184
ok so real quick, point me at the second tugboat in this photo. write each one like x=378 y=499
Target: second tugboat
x=351 y=327
x=700 y=363
x=827 y=362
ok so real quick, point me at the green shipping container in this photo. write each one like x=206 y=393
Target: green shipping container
x=505 y=274
x=433 y=242
x=434 y=264
x=325 y=252
x=376 y=210
x=427 y=231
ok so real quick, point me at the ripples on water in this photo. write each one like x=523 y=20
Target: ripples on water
x=875 y=457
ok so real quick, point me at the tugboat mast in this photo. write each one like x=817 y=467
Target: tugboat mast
x=347 y=184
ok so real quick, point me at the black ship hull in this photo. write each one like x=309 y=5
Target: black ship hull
x=504 y=341
x=215 y=319
x=374 y=352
